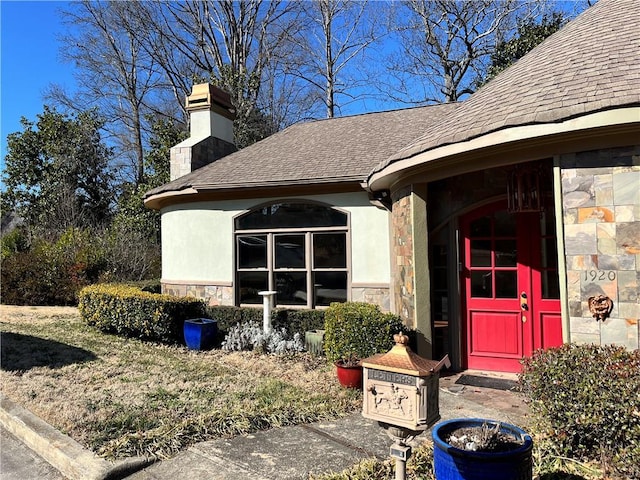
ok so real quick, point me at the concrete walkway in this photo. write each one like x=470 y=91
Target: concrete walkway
x=284 y=453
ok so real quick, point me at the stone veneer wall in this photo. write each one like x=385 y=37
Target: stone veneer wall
x=402 y=268
x=377 y=295
x=223 y=295
x=601 y=214
x=212 y=294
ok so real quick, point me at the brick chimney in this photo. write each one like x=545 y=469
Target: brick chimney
x=211 y=117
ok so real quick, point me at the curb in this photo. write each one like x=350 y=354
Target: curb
x=61 y=451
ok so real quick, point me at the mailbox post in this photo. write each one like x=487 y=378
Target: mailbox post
x=400 y=391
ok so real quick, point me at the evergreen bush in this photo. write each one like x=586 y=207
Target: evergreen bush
x=585 y=403
x=294 y=321
x=44 y=271
x=357 y=330
x=129 y=311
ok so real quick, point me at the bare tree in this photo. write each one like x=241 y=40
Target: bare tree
x=335 y=36
x=445 y=45
x=226 y=42
x=114 y=74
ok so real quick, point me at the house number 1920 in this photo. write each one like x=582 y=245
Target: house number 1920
x=599 y=275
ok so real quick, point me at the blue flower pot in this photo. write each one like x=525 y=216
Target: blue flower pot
x=451 y=463
x=200 y=333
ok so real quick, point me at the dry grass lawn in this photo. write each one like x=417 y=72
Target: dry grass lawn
x=123 y=397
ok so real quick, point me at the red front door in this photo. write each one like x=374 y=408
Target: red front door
x=511 y=287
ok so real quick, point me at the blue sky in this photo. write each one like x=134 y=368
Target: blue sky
x=29 y=61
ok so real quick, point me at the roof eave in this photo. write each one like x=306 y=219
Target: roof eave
x=206 y=192
x=552 y=133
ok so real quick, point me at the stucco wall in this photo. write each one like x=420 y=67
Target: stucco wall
x=197 y=246
x=601 y=215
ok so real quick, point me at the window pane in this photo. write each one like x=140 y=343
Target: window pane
x=292 y=215
x=550 y=284
x=506 y=253
x=549 y=252
x=330 y=287
x=291 y=288
x=249 y=284
x=252 y=251
x=481 y=284
x=481 y=227
x=480 y=253
x=290 y=251
x=505 y=224
x=329 y=250
x=506 y=284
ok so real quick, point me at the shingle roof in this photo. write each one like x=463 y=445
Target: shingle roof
x=591 y=64
x=325 y=151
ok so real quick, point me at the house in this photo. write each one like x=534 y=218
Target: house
x=494 y=226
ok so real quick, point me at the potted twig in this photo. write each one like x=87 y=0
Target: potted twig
x=479 y=449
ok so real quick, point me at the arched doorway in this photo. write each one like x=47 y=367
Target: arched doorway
x=510 y=286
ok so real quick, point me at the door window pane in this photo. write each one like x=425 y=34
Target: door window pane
x=505 y=224
x=480 y=253
x=329 y=250
x=481 y=227
x=252 y=251
x=290 y=251
x=250 y=283
x=550 y=285
x=481 y=284
x=506 y=253
x=506 y=284
x=330 y=287
x=291 y=288
x=549 y=253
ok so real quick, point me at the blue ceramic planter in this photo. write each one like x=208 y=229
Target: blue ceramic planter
x=200 y=333
x=451 y=463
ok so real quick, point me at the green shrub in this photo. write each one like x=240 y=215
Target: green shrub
x=229 y=316
x=585 y=403
x=13 y=242
x=129 y=311
x=50 y=272
x=294 y=321
x=298 y=321
x=355 y=330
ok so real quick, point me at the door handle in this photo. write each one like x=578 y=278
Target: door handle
x=524 y=302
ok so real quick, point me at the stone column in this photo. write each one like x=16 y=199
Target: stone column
x=410 y=269
x=601 y=215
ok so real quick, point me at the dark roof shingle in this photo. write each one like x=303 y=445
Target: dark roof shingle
x=324 y=151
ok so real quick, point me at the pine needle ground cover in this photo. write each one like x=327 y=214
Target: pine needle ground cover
x=122 y=397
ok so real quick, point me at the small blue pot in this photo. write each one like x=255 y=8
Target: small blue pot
x=200 y=333
x=451 y=463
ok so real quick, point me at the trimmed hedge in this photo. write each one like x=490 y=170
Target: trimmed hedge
x=357 y=330
x=298 y=321
x=585 y=403
x=294 y=321
x=129 y=311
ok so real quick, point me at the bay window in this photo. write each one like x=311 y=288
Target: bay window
x=297 y=249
